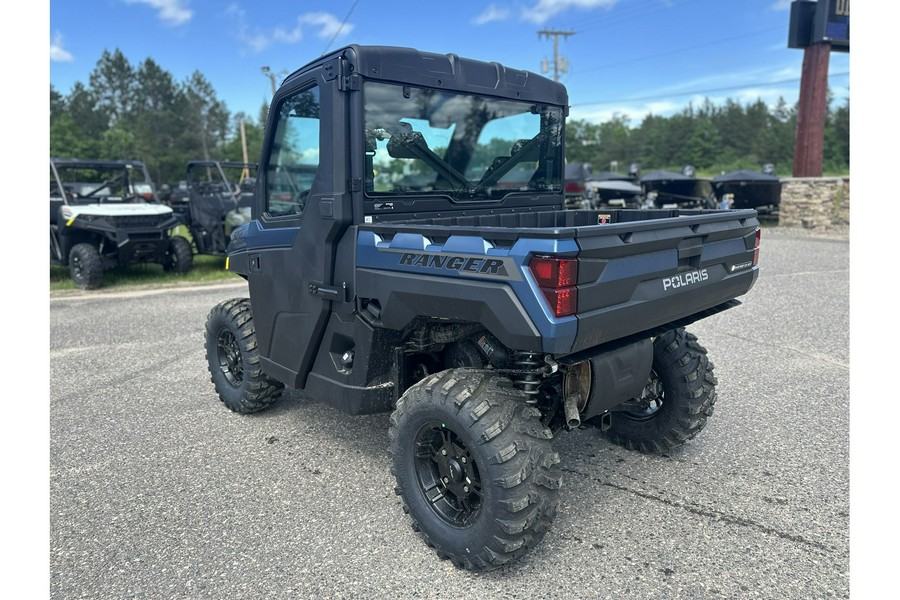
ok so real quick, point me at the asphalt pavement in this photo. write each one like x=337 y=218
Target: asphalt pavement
x=158 y=491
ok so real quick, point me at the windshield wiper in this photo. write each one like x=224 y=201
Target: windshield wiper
x=406 y=143
x=494 y=173
x=103 y=185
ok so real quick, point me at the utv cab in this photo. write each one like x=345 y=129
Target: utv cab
x=219 y=197
x=105 y=214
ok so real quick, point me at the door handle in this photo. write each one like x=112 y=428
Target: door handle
x=327 y=292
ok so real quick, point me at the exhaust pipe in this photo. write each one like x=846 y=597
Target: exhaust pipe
x=573 y=419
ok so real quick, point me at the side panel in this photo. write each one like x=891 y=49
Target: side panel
x=464 y=278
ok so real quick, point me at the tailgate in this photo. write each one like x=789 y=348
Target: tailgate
x=651 y=274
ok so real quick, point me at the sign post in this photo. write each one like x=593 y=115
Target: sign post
x=818 y=28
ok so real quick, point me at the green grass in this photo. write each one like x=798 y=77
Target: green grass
x=206 y=269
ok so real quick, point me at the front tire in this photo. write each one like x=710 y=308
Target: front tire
x=86 y=266
x=233 y=359
x=179 y=257
x=474 y=466
x=676 y=402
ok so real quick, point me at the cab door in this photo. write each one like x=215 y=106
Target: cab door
x=302 y=210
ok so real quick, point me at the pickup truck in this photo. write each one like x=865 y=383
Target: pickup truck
x=409 y=251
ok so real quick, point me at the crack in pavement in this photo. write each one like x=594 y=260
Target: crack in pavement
x=703 y=511
x=127 y=377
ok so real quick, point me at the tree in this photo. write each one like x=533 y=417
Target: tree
x=207 y=115
x=582 y=142
x=837 y=139
x=112 y=83
x=232 y=150
x=57 y=103
x=263 y=114
x=615 y=142
x=158 y=120
x=702 y=148
x=76 y=126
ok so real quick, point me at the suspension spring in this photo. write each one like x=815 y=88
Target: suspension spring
x=528 y=376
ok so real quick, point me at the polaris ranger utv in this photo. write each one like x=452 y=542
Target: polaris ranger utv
x=105 y=214
x=429 y=267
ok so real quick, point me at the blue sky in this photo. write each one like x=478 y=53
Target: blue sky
x=629 y=57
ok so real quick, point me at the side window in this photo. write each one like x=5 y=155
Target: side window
x=295 y=154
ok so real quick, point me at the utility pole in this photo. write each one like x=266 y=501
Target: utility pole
x=560 y=64
x=245 y=173
x=272 y=76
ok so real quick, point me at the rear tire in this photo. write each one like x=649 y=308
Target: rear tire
x=179 y=257
x=233 y=359
x=676 y=402
x=474 y=466
x=86 y=266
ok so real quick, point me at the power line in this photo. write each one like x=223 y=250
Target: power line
x=624 y=15
x=682 y=49
x=339 y=29
x=707 y=91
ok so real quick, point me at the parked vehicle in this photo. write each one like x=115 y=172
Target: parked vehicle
x=214 y=203
x=105 y=214
x=748 y=189
x=577 y=192
x=667 y=189
x=484 y=315
x=608 y=189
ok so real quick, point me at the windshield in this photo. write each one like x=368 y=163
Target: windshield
x=92 y=182
x=426 y=141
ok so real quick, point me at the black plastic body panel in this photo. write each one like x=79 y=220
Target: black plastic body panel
x=618 y=375
x=404 y=297
x=368 y=385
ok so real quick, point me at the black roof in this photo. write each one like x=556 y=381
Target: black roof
x=609 y=176
x=665 y=176
x=88 y=163
x=445 y=71
x=745 y=175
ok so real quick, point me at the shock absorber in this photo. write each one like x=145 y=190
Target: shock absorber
x=527 y=377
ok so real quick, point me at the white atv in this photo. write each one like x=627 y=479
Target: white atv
x=105 y=214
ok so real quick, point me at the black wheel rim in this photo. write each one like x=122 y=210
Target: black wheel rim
x=229 y=355
x=448 y=475
x=650 y=402
x=77 y=269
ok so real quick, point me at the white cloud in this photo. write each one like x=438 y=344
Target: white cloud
x=57 y=52
x=170 y=12
x=782 y=5
x=321 y=24
x=546 y=9
x=328 y=24
x=491 y=13
x=634 y=112
x=288 y=37
x=253 y=39
x=744 y=87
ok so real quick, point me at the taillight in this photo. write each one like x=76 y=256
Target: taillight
x=558 y=278
x=756 y=247
x=573 y=187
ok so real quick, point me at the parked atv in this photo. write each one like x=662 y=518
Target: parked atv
x=426 y=265
x=214 y=203
x=105 y=214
